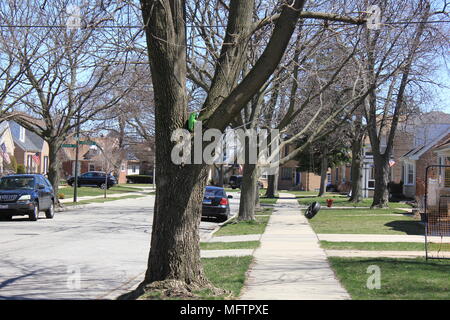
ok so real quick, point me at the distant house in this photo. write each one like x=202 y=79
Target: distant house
x=90 y=158
x=30 y=150
x=6 y=149
x=133 y=164
x=413 y=150
x=426 y=136
x=290 y=178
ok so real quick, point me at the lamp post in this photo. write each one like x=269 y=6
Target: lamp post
x=75 y=190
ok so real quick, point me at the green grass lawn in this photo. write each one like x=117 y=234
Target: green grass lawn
x=384 y=246
x=301 y=193
x=268 y=201
x=360 y=221
x=235 y=227
x=400 y=278
x=229 y=245
x=90 y=191
x=101 y=200
x=342 y=201
x=264 y=211
x=225 y=272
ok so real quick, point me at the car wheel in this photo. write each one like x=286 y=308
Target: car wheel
x=223 y=218
x=34 y=215
x=50 y=212
x=103 y=186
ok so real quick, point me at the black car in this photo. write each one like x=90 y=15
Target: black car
x=215 y=203
x=26 y=194
x=94 y=179
x=235 y=182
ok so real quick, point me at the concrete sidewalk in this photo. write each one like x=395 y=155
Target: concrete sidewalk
x=289 y=264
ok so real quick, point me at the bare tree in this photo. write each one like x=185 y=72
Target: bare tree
x=69 y=73
x=393 y=58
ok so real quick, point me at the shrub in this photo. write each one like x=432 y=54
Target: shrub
x=139 y=178
x=20 y=169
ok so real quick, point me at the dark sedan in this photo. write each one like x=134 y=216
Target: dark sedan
x=94 y=179
x=215 y=203
x=26 y=194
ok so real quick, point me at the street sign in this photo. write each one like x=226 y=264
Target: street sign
x=88 y=142
x=69 y=145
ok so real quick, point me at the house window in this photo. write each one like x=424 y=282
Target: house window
x=447 y=178
x=22 y=134
x=91 y=167
x=133 y=169
x=371 y=178
x=337 y=175
x=409 y=174
x=286 y=173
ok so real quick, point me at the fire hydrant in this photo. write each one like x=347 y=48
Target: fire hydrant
x=329 y=203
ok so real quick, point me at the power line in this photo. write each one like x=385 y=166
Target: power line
x=205 y=26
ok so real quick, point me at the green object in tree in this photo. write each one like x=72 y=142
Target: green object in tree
x=192 y=120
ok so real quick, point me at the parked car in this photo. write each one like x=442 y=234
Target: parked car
x=215 y=203
x=26 y=194
x=235 y=182
x=93 y=179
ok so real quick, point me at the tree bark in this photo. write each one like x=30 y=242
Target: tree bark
x=381 y=192
x=271 y=186
x=174 y=260
x=323 y=175
x=53 y=166
x=248 y=193
x=356 y=171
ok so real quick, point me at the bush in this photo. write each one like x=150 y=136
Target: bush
x=20 y=169
x=139 y=178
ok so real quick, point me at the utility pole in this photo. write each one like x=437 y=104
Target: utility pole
x=75 y=190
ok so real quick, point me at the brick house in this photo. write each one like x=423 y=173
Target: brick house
x=412 y=151
x=90 y=158
x=425 y=138
x=289 y=178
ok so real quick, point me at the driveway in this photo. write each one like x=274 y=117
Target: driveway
x=96 y=252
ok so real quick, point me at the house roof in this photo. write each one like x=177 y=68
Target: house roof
x=32 y=143
x=417 y=152
x=444 y=145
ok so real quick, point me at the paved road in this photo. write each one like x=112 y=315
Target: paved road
x=88 y=253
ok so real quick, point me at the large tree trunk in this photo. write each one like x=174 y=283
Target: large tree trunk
x=272 y=186
x=53 y=166
x=323 y=175
x=381 y=193
x=356 y=195
x=174 y=262
x=248 y=193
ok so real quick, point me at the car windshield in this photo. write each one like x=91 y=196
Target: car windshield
x=11 y=183
x=214 y=193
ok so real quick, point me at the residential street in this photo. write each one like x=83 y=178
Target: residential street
x=88 y=253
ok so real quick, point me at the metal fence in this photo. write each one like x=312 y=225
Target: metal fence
x=437 y=212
